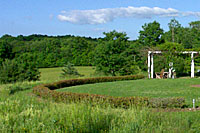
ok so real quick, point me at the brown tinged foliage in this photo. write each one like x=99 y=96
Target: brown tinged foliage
x=48 y=91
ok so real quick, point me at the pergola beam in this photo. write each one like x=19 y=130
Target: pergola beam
x=183 y=52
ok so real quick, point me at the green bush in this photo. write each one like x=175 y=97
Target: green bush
x=70 y=70
x=47 y=91
x=16 y=70
x=167 y=102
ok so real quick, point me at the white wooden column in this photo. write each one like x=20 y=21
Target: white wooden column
x=192 y=65
x=170 y=69
x=149 y=64
x=152 y=65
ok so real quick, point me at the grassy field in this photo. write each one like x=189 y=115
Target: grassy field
x=54 y=74
x=22 y=111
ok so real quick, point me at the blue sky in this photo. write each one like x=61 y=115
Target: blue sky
x=91 y=17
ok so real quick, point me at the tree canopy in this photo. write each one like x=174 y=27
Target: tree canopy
x=109 y=54
x=114 y=54
x=151 y=35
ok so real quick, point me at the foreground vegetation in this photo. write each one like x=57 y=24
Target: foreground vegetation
x=24 y=112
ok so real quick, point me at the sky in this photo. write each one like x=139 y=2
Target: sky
x=92 y=17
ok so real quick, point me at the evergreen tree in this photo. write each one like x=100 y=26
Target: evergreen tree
x=70 y=70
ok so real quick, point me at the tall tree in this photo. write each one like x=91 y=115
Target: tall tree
x=174 y=30
x=195 y=31
x=109 y=54
x=151 y=35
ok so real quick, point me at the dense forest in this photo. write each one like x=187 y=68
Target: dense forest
x=114 y=54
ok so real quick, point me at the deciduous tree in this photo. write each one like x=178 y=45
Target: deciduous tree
x=151 y=35
x=109 y=54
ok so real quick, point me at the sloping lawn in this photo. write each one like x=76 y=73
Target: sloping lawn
x=144 y=87
x=54 y=74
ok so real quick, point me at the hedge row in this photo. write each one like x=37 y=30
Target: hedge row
x=74 y=82
x=48 y=91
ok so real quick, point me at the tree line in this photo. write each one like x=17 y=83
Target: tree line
x=113 y=54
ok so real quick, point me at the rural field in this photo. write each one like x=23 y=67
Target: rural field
x=23 y=111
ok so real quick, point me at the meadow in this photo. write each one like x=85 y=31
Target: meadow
x=22 y=111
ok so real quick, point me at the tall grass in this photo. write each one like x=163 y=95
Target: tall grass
x=24 y=112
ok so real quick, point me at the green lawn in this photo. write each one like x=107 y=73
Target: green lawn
x=144 y=87
x=54 y=74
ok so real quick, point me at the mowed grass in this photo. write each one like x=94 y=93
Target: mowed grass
x=144 y=88
x=54 y=74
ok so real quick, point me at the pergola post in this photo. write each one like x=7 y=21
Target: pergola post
x=149 y=64
x=170 y=69
x=192 y=65
x=152 y=65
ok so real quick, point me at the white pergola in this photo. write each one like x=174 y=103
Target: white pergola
x=150 y=62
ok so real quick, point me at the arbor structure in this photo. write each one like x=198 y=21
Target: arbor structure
x=151 y=67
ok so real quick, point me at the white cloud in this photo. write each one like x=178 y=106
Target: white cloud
x=196 y=14
x=101 y=16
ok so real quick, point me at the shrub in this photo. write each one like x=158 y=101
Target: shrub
x=73 y=82
x=47 y=91
x=130 y=69
x=167 y=102
x=15 y=70
x=69 y=70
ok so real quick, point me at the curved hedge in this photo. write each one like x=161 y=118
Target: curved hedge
x=48 y=91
